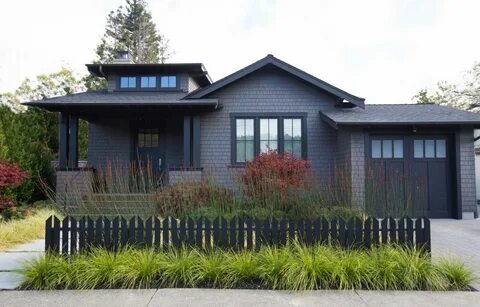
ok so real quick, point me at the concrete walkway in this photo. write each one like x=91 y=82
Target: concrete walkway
x=209 y=297
x=11 y=260
x=458 y=239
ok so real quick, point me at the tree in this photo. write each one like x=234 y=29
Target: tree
x=465 y=96
x=11 y=176
x=132 y=29
x=29 y=137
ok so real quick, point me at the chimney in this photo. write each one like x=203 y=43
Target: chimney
x=123 y=57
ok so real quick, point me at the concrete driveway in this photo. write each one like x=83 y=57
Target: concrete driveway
x=459 y=239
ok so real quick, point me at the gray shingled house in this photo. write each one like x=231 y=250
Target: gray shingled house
x=188 y=125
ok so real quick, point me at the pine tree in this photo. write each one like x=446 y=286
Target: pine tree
x=132 y=29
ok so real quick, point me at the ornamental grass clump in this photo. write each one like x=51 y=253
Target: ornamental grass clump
x=291 y=267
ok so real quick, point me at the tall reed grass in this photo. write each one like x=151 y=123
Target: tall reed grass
x=293 y=267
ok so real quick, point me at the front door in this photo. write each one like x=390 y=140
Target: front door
x=150 y=149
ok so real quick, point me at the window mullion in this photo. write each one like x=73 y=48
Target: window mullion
x=280 y=136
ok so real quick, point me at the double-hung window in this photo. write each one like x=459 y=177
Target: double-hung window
x=260 y=134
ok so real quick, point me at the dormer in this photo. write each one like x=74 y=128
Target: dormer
x=124 y=76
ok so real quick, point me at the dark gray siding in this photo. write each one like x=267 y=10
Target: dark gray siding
x=467 y=170
x=111 y=140
x=266 y=90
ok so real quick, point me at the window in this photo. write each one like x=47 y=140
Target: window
x=148 y=138
x=259 y=134
x=292 y=136
x=168 y=82
x=430 y=149
x=245 y=140
x=148 y=82
x=387 y=149
x=128 y=82
x=268 y=134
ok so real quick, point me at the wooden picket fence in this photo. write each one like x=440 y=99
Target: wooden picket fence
x=70 y=235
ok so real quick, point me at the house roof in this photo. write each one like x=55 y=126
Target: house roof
x=196 y=70
x=271 y=60
x=400 y=114
x=104 y=98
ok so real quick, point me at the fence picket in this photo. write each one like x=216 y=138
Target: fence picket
x=392 y=230
x=419 y=235
x=208 y=234
x=157 y=237
x=174 y=233
x=199 y=233
x=98 y=231
x=427 y=235
x=375 y=232
x=182 y=232
x=350 y=232
x=384 y=230
x=190 y=232
x=64 y=231
x=274 y=232
x=165 y=233
x=342 y=232
x=115 y=230
x=367 y=233
x=107 y=233
x=258 y=234
x=410 y=232
x=73 y=235
x=283 y=232
x=123 y=233
x=148 y=232
x=325 y=229
x=241 y=233
x=224 y=232
x=216 y=231
x=48 y=234
x=233 y=233
x=81 y=234
x=333 y=232
x=401 y=230
x=267 y=237
x=90 y=234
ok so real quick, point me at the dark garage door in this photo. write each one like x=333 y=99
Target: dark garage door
x=410 y=175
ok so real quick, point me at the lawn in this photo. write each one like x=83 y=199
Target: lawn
x=15 y=232
x=293 y=267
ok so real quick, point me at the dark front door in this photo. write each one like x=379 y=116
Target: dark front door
x=150 y=148
x=410 y=175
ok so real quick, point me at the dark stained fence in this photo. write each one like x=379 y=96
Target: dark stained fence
x=70 y=235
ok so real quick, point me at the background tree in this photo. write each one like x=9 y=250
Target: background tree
x=132 y=29
x=29 y=137
x=465 y=96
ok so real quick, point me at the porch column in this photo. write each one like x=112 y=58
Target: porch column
x=196 y=141
x=63 y=140
x=73 y=141
x=187 y=141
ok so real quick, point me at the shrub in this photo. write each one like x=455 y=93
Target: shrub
x=291 y=267
x=11 y=176
x=274 y=174
x=183 y=197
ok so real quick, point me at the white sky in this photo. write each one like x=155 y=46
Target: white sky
x=384 y=51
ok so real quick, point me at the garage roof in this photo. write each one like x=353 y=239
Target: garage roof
x=400 y=114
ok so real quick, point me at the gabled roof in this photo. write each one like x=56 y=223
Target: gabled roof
x=195 y=70
x=271 y=60
x=399 y=114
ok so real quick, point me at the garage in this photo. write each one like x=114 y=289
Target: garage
x=411 y=175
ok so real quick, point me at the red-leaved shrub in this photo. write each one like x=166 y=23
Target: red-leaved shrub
x=276 y=174
x=11 y=175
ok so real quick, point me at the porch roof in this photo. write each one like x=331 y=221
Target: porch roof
x=399 y=114
x=104 y=99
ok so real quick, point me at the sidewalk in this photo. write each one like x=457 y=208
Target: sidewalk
x=12 y=260
x=209 y=297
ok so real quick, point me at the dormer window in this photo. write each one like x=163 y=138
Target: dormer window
x=128 y=82
x=168 y=81
x=148 y=82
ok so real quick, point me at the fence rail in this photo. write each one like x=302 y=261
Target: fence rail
x=70 y=235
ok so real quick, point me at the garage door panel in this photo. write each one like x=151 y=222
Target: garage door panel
x=438 y=205
x=395 y=188
x=419 y=188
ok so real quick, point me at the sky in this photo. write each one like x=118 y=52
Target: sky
x=384 y=51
